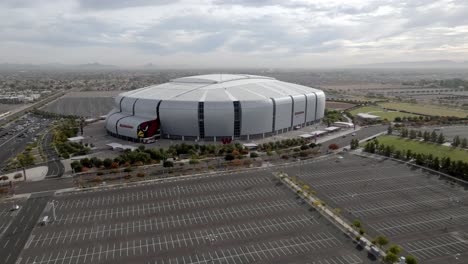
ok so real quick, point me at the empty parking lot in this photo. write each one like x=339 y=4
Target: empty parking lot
x=426 y=215
x=232 y=218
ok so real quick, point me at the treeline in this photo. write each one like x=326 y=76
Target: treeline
x=433 y=137
x=447 y=83
x=456 y=168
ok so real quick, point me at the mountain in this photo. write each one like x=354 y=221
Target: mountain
x=415 y=64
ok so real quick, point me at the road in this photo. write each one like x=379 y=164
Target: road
x=55 y=167
x=15 y=237
x=14 y=145
x=361 y=134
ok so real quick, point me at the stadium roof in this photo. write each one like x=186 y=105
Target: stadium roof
x=220 y=87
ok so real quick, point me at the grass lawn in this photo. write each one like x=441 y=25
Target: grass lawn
x=425 y=148
x=373 y=110
x=426 y=109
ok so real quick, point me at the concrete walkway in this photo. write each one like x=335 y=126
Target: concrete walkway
x=32 y=174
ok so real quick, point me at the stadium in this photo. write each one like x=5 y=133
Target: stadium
x=214 y=107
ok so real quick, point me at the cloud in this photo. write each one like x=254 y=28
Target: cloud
x=260 y=32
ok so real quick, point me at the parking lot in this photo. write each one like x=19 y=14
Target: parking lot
x=425 y=215
x=228 y=218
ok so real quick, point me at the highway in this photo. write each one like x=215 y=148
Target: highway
x=15 y=237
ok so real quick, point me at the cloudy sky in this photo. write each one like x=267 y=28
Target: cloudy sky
x=232 y=33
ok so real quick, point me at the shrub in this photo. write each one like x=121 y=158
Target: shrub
x=229 y=157
x=127 y=169
x=128 y=176
x=114 y=165
x=285 y=157
x=269 y=153
x=253 y=154
x=18 y=176
x=333 y=146
x=141 y=174
x=304 y=147
x=194 y=161
x=97 y=179
x=236 y=162
x=100 y=173
x=303 y=154
x=168 y=164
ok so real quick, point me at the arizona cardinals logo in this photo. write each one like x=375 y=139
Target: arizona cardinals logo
x=148 y=128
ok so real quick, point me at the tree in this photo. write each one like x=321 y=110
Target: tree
x=395 y=249
x=4 y=178
x=441 y=138
x=390 y=130
x=433 y=136
x=107 y=163
x=18 y=176
x=391 y=258
x=404 y=132
x=426 y=136
x=456 y=141
x=381 y=240
x=409 y=154
x=397 y=119
x=464 y=143
x=412 y=134
x=357 y=223
x=253 y=154
x=420 y=134
x=411 y=260
x=354 y=143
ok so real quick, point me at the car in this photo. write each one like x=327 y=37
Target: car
x=15 y=207
x=353 y=134
x=344 y=136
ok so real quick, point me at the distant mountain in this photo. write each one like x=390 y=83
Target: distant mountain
x=55 y=66
x=415 y=64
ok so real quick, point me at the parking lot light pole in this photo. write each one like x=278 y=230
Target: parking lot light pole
x=53 y=211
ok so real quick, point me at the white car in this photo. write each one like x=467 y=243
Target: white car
x=353 y=134
x=15 y=207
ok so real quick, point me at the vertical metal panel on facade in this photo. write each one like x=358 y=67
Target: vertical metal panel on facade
x=311 y=105
x=299 y=110
x=146 y=108
x=283 y=112
x=179 y=117
x=219 y=118
x=127 y=104
x=257 y=117
x=320 y=104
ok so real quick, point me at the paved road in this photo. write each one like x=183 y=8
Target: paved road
x=55 y=167
x=17 y=234
x=14 y=145
x=360 y=134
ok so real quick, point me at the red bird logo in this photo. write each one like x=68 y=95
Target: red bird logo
x=148 y=129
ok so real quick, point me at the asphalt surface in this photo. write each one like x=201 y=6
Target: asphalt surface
x=245 y=217
x=12 y=145
x=424 y=214
x=14 y=238
x=361 y=134
x=55 y=167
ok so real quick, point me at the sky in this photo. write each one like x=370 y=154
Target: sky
x=232 y=33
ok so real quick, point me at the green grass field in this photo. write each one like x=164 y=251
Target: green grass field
x=373 y=110
x=426 y=109
x=424 y=148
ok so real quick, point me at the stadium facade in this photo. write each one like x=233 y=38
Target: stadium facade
x=215 y=107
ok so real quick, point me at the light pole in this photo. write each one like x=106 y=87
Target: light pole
x=53 y=210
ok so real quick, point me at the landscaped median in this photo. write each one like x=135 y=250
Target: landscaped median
x=305 y=192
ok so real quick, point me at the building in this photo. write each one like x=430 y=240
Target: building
x=367 y=117
x=215 y=107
